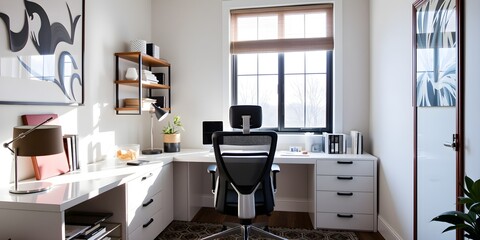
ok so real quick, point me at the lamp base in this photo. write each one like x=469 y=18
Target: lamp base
x=33 y=187
x=151 y=151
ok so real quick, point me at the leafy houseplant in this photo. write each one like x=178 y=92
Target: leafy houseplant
x=171 y=137
x=470 y=221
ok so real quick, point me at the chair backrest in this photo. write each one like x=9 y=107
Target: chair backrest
x=244 y=160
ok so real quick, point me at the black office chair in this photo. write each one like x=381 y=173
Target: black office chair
x=246 y=180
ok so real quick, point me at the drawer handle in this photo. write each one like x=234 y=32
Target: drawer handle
x=148 y=223
x=344 y=193
x=145 y=178
x=148 y=203
x=345 y=162
x=344 y=178
x=344 y=215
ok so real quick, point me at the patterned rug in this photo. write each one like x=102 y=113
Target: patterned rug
x=192 y=230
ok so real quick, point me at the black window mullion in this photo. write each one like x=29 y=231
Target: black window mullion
x=304 y=86
x=234 y=80
x=329 y=117
x=281 y=92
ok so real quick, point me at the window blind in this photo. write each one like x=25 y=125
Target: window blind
x=280 y=29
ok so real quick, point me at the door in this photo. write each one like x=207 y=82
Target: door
x=438 y=115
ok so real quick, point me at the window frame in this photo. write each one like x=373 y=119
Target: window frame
x=281 y=94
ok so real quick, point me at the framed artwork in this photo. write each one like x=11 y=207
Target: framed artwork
x=42 y=52
x=436 y=52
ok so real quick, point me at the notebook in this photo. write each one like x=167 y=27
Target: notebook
x=50 y=165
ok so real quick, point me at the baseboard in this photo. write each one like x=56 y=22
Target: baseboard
x=388 y=233
x=281 y=204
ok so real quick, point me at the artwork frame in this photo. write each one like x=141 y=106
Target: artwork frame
x=42 y=45
x=436 y=54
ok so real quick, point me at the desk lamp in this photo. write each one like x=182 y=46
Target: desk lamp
x=36 y=140
x=160 y=114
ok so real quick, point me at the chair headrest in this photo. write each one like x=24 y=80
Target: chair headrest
x=236 y=113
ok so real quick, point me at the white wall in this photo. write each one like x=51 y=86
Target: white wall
x=391 y=113
x=109 y=26
x=190 y=34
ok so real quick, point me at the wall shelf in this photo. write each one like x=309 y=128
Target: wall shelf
x=142 y=61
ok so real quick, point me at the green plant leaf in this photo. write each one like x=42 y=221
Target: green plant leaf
x=452 y=217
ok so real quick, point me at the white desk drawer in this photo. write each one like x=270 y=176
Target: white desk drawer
x=345 y=167
x=345 y=202
x=363 y=222
x=143 y=188
x=142 y=214
x=150 y=229
x=345 y=183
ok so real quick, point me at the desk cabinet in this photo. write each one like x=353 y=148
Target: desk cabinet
x=150 y=203
x=346 y=193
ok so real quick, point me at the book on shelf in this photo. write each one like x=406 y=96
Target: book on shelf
x=72 y=231
x=96 y=233
x=86 y=218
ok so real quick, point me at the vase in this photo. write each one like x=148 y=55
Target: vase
x=171 y=142
x=131 y=74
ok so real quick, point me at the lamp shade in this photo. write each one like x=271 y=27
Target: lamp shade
x=159 y=112
x=45 y=140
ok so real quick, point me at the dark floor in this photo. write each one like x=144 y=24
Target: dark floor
x=277 y=219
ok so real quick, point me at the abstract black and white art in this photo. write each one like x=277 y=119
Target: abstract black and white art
x=436 y=53
x=41 y=52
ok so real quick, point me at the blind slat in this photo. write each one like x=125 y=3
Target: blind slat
x=282 y=45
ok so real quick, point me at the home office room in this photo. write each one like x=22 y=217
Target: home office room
x=124 y=119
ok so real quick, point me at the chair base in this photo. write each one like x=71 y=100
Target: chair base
x=245 y=231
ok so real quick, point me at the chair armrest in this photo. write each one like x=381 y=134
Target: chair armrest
x=212 y=169
x=275 y=170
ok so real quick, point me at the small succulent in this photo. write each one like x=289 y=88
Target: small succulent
x=175 y=127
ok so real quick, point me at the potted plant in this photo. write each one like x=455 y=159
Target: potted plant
x=171 y=137
x=470 y=221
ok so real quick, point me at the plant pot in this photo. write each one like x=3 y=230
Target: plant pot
x=171 y=142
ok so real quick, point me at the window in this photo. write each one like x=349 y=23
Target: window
x=282 y=61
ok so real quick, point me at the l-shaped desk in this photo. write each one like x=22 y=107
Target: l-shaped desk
x=339 y=191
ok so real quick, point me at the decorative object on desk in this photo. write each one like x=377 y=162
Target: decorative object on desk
x=70 y=143
x=196 y=230
x=436 y=43
x=49 y=165
x=467 y=222
x=34 y=141
x=160 y=114
x=308 y=141
x=208 y=128
x=138 y=46
x=131 y=74
x=153 y=50
x=335 y=143
x=357 y=142
x=171 y=137
x=45 y=57
x=128 y=152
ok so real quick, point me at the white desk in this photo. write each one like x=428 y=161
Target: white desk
x=339 y=191
x=180 y=180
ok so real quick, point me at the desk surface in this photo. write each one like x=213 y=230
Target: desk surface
x=75 y=187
